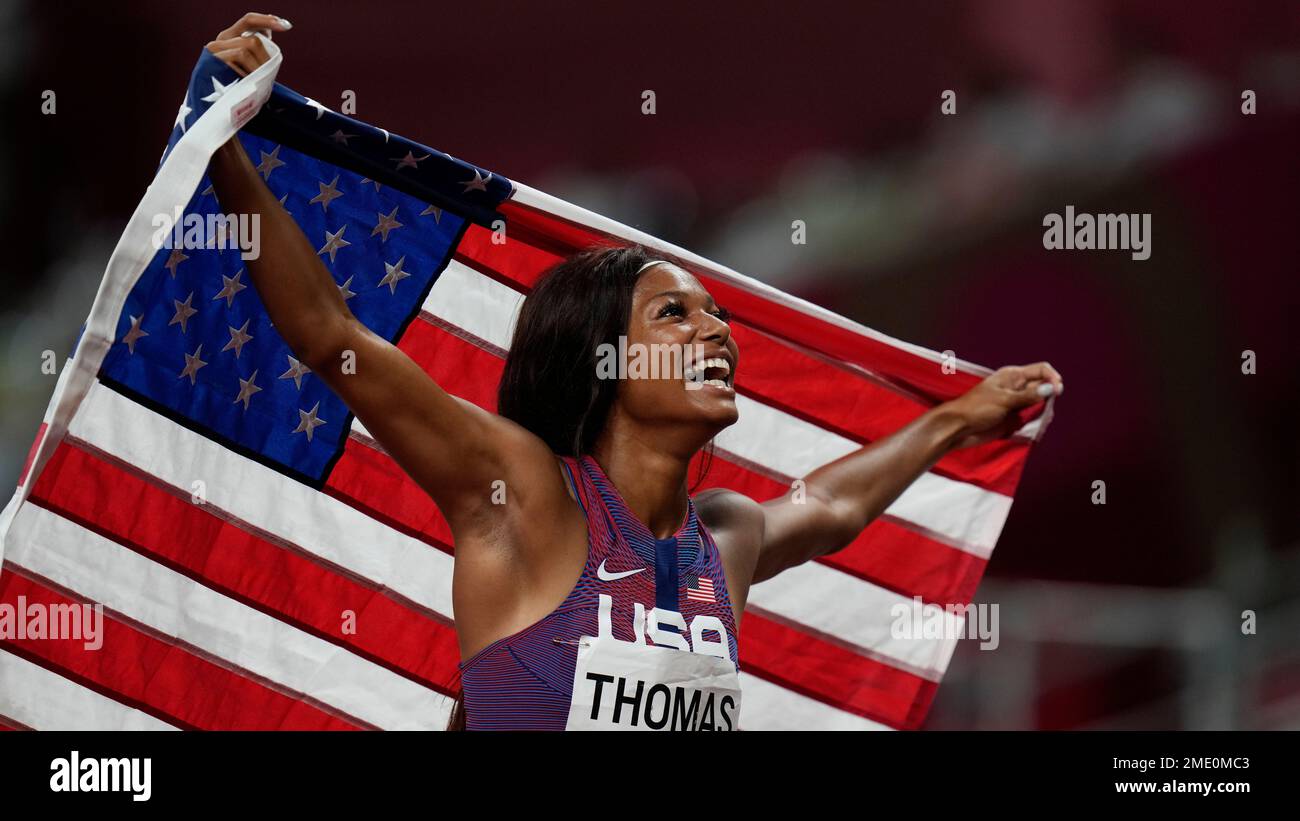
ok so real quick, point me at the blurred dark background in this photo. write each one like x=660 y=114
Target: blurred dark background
x=924 y=226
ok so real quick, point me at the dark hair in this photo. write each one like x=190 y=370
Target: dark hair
x=550 y=384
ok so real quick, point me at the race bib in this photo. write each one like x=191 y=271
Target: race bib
x=619 y=685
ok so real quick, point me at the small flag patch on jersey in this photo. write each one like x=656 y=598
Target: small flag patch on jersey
x=699 y=588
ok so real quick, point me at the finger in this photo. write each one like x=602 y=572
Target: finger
x=235 y=53
x=256 y=22
x=1031 y=392
x=1050 y=373
x=252 y=48
x=253 y=20
x=238 y=59
x=1043 y=372
x=256 y=47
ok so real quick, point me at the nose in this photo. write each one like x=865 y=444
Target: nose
x=714 y=329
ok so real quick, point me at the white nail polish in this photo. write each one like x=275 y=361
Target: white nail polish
x=287 y=25
x=1046 y=389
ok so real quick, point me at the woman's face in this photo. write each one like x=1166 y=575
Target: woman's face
x=675 y=322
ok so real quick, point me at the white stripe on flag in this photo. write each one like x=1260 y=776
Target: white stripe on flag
x=103 y=571
x=768 y=706
x=43 y=700
x=830 y=602
x=475 y=303
x=315 y=522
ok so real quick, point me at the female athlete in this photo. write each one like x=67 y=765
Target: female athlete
x=575 y=600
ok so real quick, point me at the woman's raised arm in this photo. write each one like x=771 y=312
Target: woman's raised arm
x=840 y=499
x=453 y=449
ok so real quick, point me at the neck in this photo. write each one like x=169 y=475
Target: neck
x=650 y=477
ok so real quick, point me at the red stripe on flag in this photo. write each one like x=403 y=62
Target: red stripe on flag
x=161 y=676
x=7 y=723
x=910 y=563
x=833 y=674
x=370 y=481
x=278 y=579
x=454 y=362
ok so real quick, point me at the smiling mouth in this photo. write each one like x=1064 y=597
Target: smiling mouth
x=714 y=372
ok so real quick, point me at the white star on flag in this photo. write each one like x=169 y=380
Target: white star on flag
x=217 y=90
x=183 y=112
x=308 y=422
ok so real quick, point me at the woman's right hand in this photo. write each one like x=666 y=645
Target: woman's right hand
x=239 y=49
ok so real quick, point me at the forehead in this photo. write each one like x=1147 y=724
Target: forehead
x=666 y=277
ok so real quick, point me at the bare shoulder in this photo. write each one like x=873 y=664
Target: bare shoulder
x=734 y=519
x=721 y=508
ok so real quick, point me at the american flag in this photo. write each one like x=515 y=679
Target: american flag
x=263 y=564
x=699 y=588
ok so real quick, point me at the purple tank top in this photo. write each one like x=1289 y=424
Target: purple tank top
x=525 y=681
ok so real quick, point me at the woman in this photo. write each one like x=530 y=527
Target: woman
x=583 y=578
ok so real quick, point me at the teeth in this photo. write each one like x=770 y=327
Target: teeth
x=696 y=374
x=720 y=363
x=715 y=362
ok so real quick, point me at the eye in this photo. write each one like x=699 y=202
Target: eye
x=722 y=313
x=673 y=308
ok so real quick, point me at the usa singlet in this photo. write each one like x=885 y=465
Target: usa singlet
x=645 y=640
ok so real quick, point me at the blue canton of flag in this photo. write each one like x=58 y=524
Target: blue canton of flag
x=194 y=341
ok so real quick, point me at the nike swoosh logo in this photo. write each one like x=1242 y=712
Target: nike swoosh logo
x=609 y=577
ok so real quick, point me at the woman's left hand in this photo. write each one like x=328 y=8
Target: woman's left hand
x=988 y=410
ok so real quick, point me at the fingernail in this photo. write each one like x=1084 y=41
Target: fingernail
x=247 y=34
x=1046 y=389
x=285 y=23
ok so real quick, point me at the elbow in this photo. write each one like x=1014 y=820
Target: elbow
x=847 y=521
x=326 y=345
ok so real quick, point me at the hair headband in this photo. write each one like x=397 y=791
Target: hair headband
x=653 y=262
